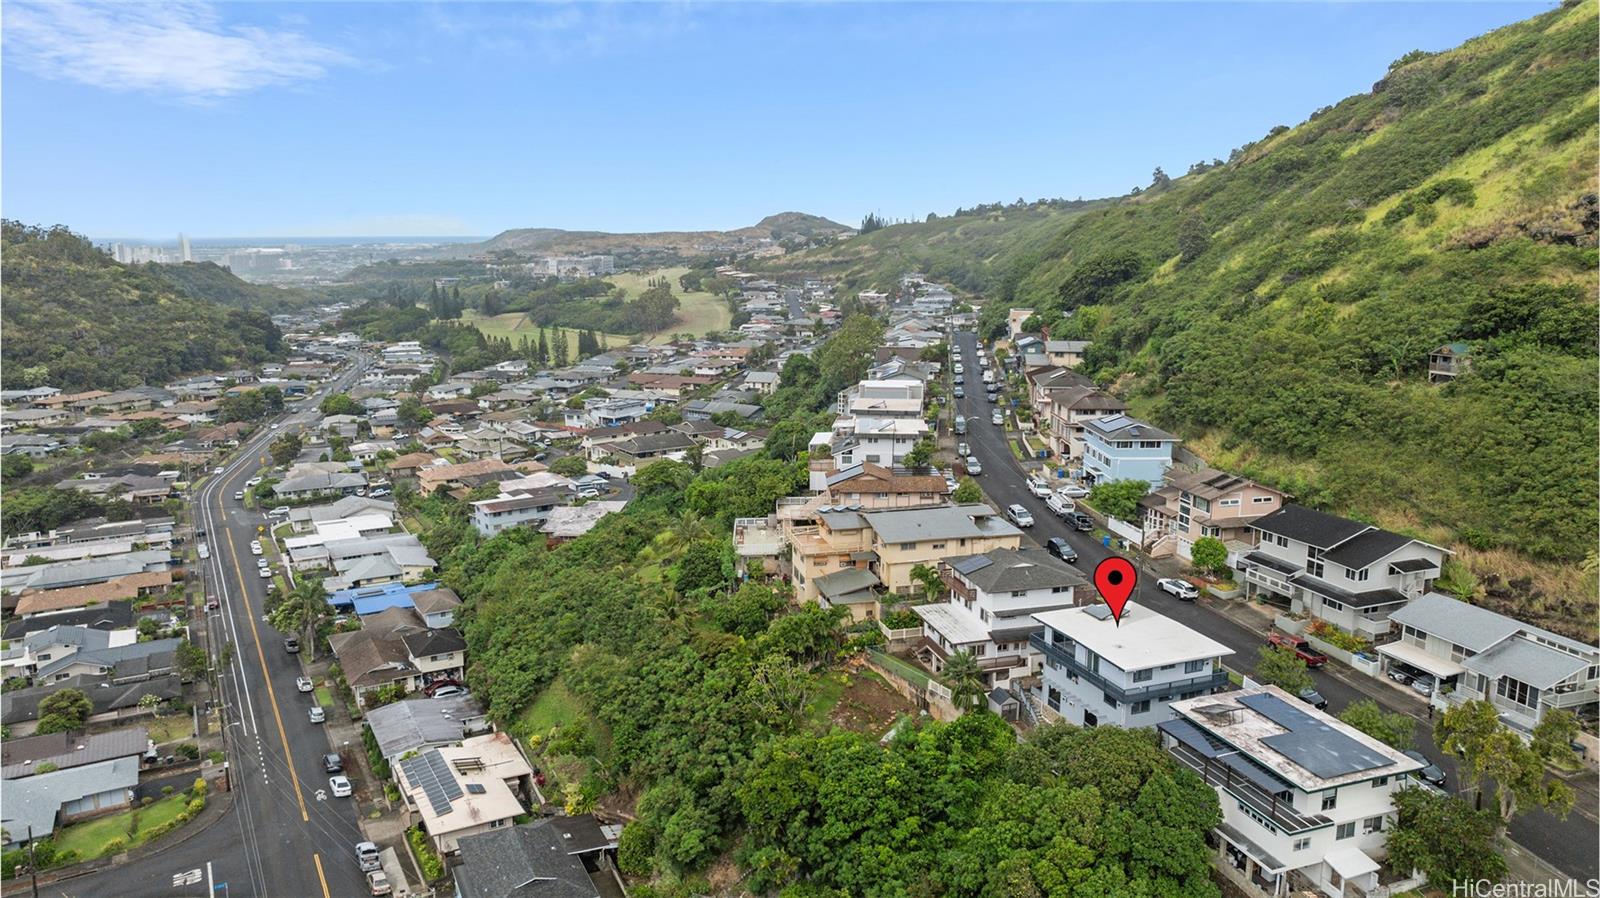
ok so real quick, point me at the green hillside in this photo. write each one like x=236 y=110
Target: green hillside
x=973 y=251
x=75 y=319
x=208 y=280
x=1278 y=311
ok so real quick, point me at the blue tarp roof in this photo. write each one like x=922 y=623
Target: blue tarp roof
x=373 y=599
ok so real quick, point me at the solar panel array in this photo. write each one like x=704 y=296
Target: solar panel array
x=1311 y=743
x=431 y=773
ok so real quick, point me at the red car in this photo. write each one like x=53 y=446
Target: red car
x=1302 y=649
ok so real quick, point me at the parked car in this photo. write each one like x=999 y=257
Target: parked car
x=332 y=763
x=447 y=691
x=1060 y=507
x=367 y=856
x=959 y=369
x=1072 y=491
x=238 y=495
x=1038 y=487
x=959 y=393
x=317 y=715
x=1183 y=589
x=974 y=467
x=1431 y=773
x=1080 y=521
x=340 y=786
x=1061 y=549
x=266 y=573
x=960 y=380
x=251 y=482
x=255 y=547
x=378 y=493
x=588 y=492
x=304 y=684
x=291 y=644
x=1313 y=698
x=961 y=425
x=1019 y=516
x=963 y=450
x=261 y=562
x=1422 y=686
x=378 y=883
x=282 y=511
x=997 y=418
x=1301 y=648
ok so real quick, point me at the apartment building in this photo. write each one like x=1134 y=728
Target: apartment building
x=1474 y=654
x=1307 y=800
x=992 y=598
x=1350 y=574
x=1101 y=672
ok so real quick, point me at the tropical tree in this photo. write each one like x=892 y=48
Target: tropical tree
x=1209 y=555
x=928 y=578
x=1119 y=498
x=1444 y=837
x=301 y=610
x=966 y=492
x=965 y=679
x=1281 y=667
x=1394 y=730
x=64 y=710
x=1472 y=731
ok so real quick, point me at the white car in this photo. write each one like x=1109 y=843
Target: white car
x=1059 y=506
x=216 y=470
x=1038 y=487
x=1183 y=589
x=262 y=562
x=252 y=482
x=282 y=511
x=304 y=684
x=1020 y=516
x=960 y=370
x=1072 y=491
x=266 y=573
x=588 y=492
x=255 y=547
x=340 y=786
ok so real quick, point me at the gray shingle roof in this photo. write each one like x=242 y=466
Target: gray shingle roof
x=34 y=801
x=1365 y=548
x=846 y=583
x=415 y=723
x=1008 y=570
x=1306 y=525
x=23 y=756
x=1537 y=665
x=526 y=861
x=945 y=522
x=1470 y=626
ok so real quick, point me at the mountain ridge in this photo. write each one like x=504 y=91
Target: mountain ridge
x=561 y=241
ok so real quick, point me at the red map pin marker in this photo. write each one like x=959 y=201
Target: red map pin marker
x=1115 y=578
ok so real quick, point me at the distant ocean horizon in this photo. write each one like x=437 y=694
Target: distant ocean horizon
x=279 y=241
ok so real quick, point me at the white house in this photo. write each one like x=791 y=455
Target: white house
x=992 y=600
x=1097 y=671
x=1350 y=574
x=1472 y=654
x=1301 y=791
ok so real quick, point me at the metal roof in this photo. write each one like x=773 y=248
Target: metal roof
x=1472 y=627
x=1526 y=661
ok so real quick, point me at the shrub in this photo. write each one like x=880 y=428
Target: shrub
x=432 y=867
x=166 y=790
x=1331 y=633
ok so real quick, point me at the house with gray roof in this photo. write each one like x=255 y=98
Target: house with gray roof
x=37 y=805
x=1474 y=654
x=1350 y=574
x=418 y=723
x=114 y=664
x=989 y=602
x=23 y=757
x=556 y=857
x=19 y=708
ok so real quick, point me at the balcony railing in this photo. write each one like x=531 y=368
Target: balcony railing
x=1210 y=680
x=1273 y=807
x=985 y=662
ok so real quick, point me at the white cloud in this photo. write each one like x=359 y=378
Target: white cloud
x=182 y=49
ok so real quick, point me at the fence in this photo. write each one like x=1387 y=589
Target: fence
x=900 y=639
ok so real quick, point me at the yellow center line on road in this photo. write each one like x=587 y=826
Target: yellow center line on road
x=323 y=879
x=272 y=695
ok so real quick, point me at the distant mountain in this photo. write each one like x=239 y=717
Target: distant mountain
x=554 y=241
x=76 y=319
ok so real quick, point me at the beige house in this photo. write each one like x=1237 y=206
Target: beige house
x=460 y=790
x=1066 y=412
x=1206 y=502
x=1065 y=353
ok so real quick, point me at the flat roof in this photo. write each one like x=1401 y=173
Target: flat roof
x=1144 y=638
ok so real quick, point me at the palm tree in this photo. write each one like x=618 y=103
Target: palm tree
x=689 y=528
x=965 y=679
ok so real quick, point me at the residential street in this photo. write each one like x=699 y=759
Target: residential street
x=1568 y=845
x=281 y=838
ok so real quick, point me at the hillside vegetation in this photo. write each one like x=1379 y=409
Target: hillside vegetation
x=76 y=319
x=683 y=244
x=210 y=281
x=1278 y=310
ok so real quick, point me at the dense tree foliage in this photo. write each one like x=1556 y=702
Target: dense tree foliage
x=1444 y=837
x=76 y=319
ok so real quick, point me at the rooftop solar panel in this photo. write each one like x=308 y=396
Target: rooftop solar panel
x=1310 y=743
x=430 y=773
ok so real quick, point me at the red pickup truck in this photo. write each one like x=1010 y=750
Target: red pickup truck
x=1302 y=649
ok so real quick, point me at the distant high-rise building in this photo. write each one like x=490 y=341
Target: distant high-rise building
x=185 y=252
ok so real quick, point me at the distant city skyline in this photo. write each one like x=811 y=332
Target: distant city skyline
x=330 y=120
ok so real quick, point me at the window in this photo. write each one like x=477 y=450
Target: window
x=1261 y=500
x=1314 y=561
x=1346 y=830
x=1516 y=691
x=1110 y=702
x=1358 y=575
x=1227 y=503
x=1412 y=635
x=1380 y=781
x=1372 y=825
x=1283 y=542
x=908 y=546
x=1330 y=800
x=1195 y=666
x=1302 y=844
x=1202 y=504
x=1141 y=707
x=1017 y=593
x=1143 y=676
x=1331 y=605
x=1149 y=444
x=938 y=546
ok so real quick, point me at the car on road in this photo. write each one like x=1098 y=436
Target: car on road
x=216 y=470
x=340 y=786
x=367 y=856
x=1313 y=698
x=378 y=883
x=1183 y=589
x=1038 y=487
x=238 y=495
x=963 y=450
x=959 y=393
x=1080 y=521
x=1019 y=516
x=1061 y=549
x=1431 y=773
x=291 y=644
x=266 y=573
x=261 y=562
x=304 y=684
x=959 y=369
x=251 y=482
x=1072 y=491
x=1301 y=648
x=204 y=550
x=255 y=547
x=1060 y=507
x=961 y=425
x=282 y=511
x=997 y=418
x=275 y=425
x=316 y=714
x=960 y=379
x=332 y=763
x=974 y=467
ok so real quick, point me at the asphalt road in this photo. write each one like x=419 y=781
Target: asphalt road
x=1568 y=845
x=280 y=840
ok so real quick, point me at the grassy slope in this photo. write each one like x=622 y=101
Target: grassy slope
x=515 y=325
x=1294 y=348
x=700 y=313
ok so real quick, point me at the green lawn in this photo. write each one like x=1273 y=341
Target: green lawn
x=324 y=697
x=514 y=326
x=170 y=728
x=555 y=706
x=89 y=838
x=699 y=312
x=830 y=688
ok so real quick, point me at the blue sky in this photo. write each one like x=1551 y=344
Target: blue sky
x=406 y=119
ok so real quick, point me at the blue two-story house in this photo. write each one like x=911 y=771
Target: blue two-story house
x=1118 y=447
